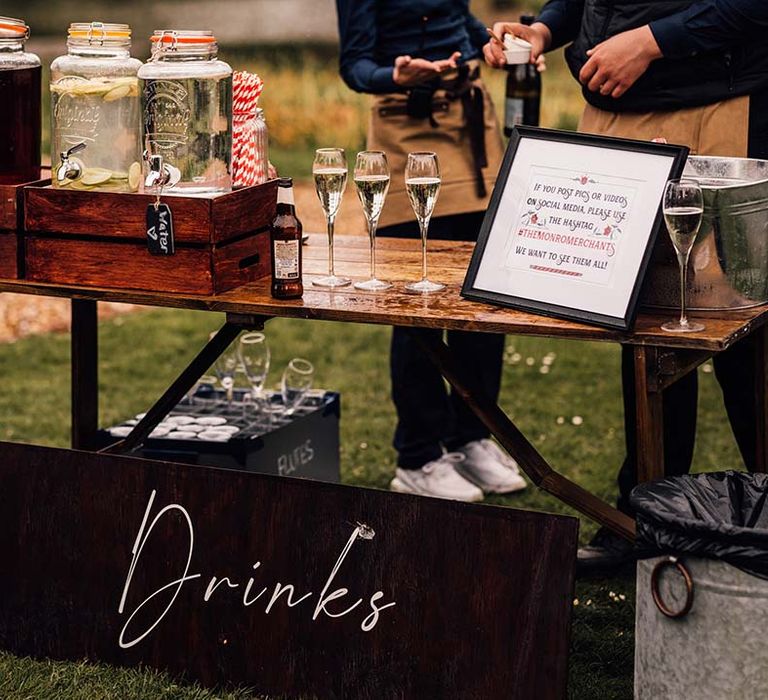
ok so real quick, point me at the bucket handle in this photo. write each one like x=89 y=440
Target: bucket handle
x=655 y=575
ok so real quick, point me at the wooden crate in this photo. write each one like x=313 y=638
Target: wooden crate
x=98 y=239
x=11 y=223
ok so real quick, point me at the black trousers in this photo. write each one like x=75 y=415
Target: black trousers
x=429 y=415
x=734 y=369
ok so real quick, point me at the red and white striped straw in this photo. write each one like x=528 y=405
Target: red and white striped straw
x=246 y=89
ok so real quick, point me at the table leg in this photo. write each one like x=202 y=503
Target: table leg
x=185 y=381
x=85 y=373
x=510 y=437
x=649 y=415
x=761 y=399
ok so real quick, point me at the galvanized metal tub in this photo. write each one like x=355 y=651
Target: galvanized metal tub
x=717 y=651
x=728 y=268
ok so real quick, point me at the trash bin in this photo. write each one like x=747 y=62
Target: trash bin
x=702 y=596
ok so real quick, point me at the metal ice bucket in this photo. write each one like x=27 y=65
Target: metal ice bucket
x=728 y=268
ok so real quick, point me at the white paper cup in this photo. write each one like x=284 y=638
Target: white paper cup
x=516 y=51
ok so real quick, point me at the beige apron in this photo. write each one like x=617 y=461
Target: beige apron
x=391 y=130
x=719 y=129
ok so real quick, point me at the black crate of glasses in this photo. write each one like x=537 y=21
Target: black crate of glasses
x=258 y=436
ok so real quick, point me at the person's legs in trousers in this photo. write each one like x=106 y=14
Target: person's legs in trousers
x=421 y=401
x=420 y=398
x=735 y=371
x=679 y=407
x=735 y=368
x=607 y=550
x=479 y=355
x=426 y=416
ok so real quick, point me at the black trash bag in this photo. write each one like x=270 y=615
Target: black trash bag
x=721 y=515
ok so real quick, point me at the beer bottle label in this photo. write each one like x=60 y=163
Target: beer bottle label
x=286 y=260
x=513 y=112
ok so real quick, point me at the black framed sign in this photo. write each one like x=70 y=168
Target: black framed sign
x=571 y=225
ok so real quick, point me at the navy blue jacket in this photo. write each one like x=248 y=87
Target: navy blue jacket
x=375 y=32
x=712 y=49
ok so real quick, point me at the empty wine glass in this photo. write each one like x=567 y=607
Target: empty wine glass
x=225 y=368
x=683 y=210
x=372 y=182
x=255 y=359
x=330 y=172
x=296 y=382
x=205 y=380
x=422 y=182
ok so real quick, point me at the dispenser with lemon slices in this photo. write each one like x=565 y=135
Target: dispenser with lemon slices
x=96 y=111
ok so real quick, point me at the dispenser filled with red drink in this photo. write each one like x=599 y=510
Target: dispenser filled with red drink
x=20 y=99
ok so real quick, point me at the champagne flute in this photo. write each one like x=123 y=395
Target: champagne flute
x=255 y=359
x=683 y=210
x=296 y=382
x=372 y=182
x=225 y=368
x=206 y=380
x=330 y=172
x=422 y=182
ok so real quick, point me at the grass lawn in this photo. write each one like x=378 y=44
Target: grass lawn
x=582 y=382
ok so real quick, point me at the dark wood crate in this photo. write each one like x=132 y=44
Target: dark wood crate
x=11 y=223
x=98 y=239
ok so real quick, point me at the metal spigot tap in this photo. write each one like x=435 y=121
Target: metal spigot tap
x=70 y=168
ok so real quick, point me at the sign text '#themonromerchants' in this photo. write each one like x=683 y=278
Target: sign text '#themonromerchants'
x=331 y=602
x=571 y=223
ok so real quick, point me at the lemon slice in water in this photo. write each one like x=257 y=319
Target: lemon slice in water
x=134 y=176
x=117 y=93
x=96 y=176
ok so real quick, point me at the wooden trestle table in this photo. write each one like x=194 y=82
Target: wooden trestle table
x=660 y=358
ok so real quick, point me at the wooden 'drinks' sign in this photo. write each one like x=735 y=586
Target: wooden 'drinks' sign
x=285 y=585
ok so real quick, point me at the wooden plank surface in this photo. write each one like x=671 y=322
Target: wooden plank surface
x=482 y=595
x=399 y=262
x=12 y=201
x=202 y=220
x=9 y=254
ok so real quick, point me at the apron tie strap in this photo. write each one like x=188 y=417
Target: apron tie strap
x=474 y=116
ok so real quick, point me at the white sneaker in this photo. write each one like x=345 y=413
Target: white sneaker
x=490 y=468
x=438 y=478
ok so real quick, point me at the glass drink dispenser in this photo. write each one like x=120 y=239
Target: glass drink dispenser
x=187 y=108
x=19 y=105
x=95 y=107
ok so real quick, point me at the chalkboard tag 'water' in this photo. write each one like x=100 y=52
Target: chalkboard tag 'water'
x=160 y=229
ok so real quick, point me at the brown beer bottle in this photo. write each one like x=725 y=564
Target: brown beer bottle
x=523 y=92
x=285 y=245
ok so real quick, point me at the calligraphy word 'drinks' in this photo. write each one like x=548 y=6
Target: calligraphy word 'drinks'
x=270 y=596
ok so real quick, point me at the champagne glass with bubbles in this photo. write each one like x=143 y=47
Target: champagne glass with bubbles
x=330 y=172
x=422 y=182
x=372 y=182
x=683 y=210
